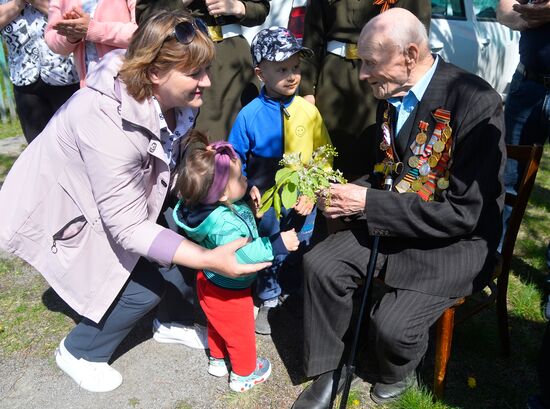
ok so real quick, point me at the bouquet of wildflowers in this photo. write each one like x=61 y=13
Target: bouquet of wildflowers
x=304 y=178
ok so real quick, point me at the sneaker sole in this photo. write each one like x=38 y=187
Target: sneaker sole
x=63 y=365
x=243 y=388
x=157 y=336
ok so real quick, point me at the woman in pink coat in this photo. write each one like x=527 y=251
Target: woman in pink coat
x=84 y=203
x=89 y=29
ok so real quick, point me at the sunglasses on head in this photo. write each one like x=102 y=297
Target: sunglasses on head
x=186 y=31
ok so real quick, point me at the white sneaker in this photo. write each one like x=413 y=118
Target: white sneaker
x=92 y=376
x=217 y=367
x=173 y=333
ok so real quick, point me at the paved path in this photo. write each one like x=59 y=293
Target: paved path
x=12 y=146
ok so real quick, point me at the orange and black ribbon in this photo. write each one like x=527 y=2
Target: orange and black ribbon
x=385 y=4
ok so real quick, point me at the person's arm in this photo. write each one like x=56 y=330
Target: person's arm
x=238 y=137
x=256 y=12
x=113 y=33
x=508 y=17
x=221 y=260
x=225 y=8
x=535 y=14
x=58 y=43
x=230 y=227
x=10 y=11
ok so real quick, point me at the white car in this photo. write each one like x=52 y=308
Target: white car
x=467 y=33
x=464 y=32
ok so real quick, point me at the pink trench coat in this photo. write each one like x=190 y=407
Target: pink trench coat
x=80 y=203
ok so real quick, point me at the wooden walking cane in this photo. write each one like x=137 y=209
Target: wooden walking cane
x=350 y=365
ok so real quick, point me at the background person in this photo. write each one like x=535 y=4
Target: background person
x=439 y=228
x=233 y=82
x=527 y=117
x=96 y=183
x=89 y=29
x=330 y=78
x=42 y=81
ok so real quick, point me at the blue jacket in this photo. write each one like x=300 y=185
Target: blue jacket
x=266 y=128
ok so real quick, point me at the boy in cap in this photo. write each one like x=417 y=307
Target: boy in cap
x=277 y=122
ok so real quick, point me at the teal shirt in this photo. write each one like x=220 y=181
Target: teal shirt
x=222 y=226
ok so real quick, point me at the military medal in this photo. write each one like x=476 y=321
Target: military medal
x=432 y=161
x=413 y=161
x=438 y=146
x=428 y=174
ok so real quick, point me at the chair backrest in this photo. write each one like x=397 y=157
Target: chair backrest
x=528 y=157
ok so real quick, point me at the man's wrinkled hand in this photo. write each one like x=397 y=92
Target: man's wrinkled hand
x=345 y=200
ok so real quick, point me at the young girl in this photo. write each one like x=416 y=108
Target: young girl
x=211 y=212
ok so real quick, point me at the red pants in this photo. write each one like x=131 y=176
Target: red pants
x=230 y=316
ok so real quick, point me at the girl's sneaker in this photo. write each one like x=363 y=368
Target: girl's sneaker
x=217 y=366
x=243 y=383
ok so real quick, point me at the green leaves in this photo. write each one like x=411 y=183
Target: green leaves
x=301 y=178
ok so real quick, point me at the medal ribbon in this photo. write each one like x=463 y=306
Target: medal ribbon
x=424 y=175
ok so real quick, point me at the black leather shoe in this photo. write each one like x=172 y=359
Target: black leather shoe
x=382 y=393
x=321 y=393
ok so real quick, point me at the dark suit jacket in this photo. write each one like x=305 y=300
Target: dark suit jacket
x=446 y=247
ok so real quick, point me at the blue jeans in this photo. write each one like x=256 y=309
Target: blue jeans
x=527 y=117
x=285 y=270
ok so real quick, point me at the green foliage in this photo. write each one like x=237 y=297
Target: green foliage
x=306 y=179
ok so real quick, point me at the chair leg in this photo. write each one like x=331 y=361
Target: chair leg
x=502 y=320
x=444 y=339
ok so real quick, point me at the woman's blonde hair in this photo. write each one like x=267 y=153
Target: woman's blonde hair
x=154 y=47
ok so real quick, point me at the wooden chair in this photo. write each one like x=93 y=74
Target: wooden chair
x=529 y=157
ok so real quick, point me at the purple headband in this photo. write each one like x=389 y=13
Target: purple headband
x=222 y=159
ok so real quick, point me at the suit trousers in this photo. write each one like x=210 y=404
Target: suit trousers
x=400 y=319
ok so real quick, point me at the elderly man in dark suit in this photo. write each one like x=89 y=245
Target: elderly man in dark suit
x=439 y=227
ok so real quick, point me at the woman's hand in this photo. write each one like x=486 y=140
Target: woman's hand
x=225 y=8
x=222 y=260
x=290 y=240
x=304 y=206
x=74 y=26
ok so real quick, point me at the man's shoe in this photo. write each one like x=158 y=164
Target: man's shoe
x=382 y=393
x=92 y=376
x=194 y=336
x=320 y=393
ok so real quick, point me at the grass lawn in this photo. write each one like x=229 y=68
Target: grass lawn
x=32 y=320
x=10 y=129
